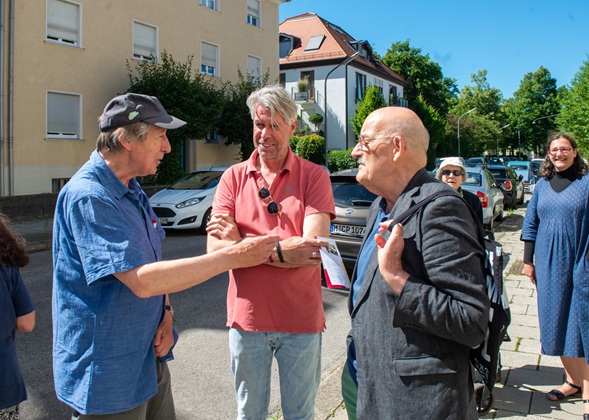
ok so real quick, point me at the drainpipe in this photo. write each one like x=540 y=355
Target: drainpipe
x=2 y=7
x=10 y=98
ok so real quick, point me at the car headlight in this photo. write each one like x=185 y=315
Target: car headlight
x=189 y=202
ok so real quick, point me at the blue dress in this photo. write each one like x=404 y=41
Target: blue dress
x=559 y=225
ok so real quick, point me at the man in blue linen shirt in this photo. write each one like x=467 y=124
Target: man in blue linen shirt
x=112 y=323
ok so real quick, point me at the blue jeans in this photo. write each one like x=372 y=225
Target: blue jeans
x=299 y=367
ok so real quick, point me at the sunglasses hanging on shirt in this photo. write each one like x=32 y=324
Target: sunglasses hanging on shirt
x=273 y=207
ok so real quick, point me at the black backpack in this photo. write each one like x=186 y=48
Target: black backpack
x=485 y=357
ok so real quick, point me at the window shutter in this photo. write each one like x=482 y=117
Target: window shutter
x=253 y=8
x=254 y=66
x=208 y=55
x=144 y=40
x=63 y=115
x=62 y=21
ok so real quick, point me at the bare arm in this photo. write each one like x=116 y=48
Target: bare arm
x=298 y=251
x=25 y=323
x=163 y=277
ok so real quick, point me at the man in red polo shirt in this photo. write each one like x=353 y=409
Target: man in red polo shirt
x=275 y=309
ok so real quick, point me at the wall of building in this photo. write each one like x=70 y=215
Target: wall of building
x=97 y=70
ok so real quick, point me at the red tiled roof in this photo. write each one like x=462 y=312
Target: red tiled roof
x=336 y=45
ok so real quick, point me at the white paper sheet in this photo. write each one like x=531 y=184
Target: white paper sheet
x=335 y=272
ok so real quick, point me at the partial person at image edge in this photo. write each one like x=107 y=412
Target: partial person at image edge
x=17 y=313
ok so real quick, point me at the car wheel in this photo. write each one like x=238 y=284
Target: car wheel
x=205 y=219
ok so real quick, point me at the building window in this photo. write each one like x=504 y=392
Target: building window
x=379 y=86
x=213 y=138
x=57 y=184
x=63 y=115
x=209 y=59
x=392 y=94
x=360 y=86
x=282 y=79
x=254 y=66
x=211 y=4
x=63 y=22
x=309 y=76
x=144 y=41
x=314 y=42
x=253 y=12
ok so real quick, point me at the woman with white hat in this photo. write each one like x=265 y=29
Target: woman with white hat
x=452 y=171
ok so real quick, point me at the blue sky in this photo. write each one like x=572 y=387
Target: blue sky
x=508 y=38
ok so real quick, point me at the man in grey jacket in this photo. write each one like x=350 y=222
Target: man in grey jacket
x=418 y=299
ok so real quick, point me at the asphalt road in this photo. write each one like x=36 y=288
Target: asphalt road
x=201 y=376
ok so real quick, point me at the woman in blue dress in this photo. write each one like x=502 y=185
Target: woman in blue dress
x=556 y=235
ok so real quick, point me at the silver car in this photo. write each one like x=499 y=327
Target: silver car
x=479 y=181
x=352 y=203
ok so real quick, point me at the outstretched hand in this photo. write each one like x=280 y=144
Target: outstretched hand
x=253 y=250
x=389 y=256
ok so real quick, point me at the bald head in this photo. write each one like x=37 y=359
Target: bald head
x=393 y=120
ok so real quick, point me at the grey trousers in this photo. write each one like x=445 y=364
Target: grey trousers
x=160 y=406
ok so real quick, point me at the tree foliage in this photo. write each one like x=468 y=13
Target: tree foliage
x=372 y=100
x=480 y=129
x=185 y=95
x=311 y=147
x=574 y=116
x=530 y=113
x=236 y=122
x=341 y=159
x=424 y=77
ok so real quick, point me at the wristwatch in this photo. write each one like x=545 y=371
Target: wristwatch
x=169 y=308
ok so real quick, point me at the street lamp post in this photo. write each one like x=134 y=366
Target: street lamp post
x=467 y=112
x=502 y=128
x=541 y=118
x=343 y=63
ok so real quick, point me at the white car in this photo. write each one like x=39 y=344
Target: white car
x=187 y=203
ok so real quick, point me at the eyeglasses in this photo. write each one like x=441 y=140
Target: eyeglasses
x=456 y=172
x=365 y=141
x=563 y=150
x=273 y=207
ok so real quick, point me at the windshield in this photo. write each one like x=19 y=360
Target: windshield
x=473 y=179
x=351 y=194
x=498 y=173
x=201 y=180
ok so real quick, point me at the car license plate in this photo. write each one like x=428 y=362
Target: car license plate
x=348 y=230
x=164 y=220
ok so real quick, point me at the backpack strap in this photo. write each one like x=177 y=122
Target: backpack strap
x=408 y=214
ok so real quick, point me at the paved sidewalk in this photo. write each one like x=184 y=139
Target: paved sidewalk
x=526 y=375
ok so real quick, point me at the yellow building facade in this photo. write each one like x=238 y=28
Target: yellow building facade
x=64 y=60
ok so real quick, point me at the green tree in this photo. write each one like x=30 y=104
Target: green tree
x=480 y=130
x=235 y=123
x=424 y=77
x=536 y=97
x=575 y=109
x=372 y=100
x=316 y=120
x=184 y=94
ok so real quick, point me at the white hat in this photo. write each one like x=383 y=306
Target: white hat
x=454 y=161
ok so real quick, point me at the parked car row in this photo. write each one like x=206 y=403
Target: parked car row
x=480 y=181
